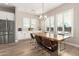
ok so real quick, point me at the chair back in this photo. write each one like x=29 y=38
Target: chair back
x=52 y=45
x=38 y=39
x=46 y=42
x=32 y=36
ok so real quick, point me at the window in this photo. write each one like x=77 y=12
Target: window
x=26 y=23
x=49 y=24
x=65 y=22
x=68 y=21
x=59 y=18
x=30 y=23
x=61 y=23
x=34 y=23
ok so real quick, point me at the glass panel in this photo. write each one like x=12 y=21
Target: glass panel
x=47 y=25
x=68 y=19
x=34 y=23
x=59 y=19
x=26 y=23
x=51 y=23
x=42 y=25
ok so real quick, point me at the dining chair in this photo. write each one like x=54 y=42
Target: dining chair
x=32 y=36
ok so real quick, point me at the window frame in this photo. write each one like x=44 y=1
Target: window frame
x=72 y=28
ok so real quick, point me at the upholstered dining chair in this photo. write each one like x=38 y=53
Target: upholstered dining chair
x=34 y=38
x=51 y=45
x=38 y=39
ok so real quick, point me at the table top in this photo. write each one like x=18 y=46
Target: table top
x=52 y=36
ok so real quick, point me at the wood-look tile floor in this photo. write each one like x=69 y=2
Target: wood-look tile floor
x=30 y=48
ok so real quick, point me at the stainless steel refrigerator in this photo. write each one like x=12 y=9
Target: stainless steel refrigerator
x=7 y=31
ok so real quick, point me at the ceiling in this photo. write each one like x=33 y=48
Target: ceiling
x=35 y=8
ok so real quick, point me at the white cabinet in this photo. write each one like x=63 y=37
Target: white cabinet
x=6 y=15
x=19 y=35
x=22 y=35
x=27 y=35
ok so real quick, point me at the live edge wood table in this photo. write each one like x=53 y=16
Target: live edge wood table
x=50 y=41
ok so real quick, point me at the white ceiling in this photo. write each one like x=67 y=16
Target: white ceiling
x=35 y=8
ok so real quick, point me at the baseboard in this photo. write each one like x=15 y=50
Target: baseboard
x=21 y=39
x=72 y=44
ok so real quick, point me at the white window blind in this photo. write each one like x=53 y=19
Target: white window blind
x=26 y=23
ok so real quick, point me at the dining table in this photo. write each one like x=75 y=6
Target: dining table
x=54 y=37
